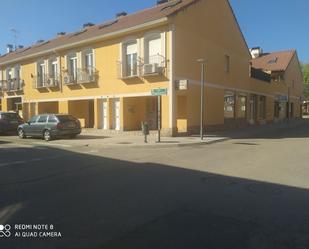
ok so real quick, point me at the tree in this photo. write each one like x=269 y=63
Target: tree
x=305 y=70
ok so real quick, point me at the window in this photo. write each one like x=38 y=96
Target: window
x=72 y=65
x=53 y=68
x=153 y=49
x=42 y=119
x=42 y=73
x=9 y=74
x=89 y=61
x=227 y=63
x=262 y=107
x=52 y=119
x=131 y=59
x=242 y=106
x=229 y=105
x=33 y=119
x=17 y=72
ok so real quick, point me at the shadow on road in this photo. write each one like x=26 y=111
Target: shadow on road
x=97 y=202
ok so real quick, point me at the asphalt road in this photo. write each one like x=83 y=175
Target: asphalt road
x=248 y=193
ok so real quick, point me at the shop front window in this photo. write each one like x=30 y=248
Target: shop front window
x=229 y=105
x=262 y=107
x=242 y=106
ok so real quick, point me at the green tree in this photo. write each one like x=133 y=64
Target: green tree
x=305 y=70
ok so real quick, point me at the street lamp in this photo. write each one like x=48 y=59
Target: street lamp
x=202 y=62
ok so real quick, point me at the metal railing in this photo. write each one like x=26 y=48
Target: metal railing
x=12 y=85
x=153 y=65
x=46 y=81
x=125 y=70
x=81 y=76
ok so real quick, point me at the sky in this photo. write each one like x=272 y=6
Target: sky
x=272 y=25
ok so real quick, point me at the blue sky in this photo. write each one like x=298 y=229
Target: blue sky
x=273 y=25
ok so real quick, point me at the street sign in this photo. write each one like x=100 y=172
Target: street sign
x=159 y=91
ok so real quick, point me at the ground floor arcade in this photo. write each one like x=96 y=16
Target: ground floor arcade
x=223 y=109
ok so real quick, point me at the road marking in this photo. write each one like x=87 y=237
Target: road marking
x=12 y=163
x=53 y=144
x=36 y=159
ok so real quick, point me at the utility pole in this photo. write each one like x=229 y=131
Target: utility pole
x=289 y=104
x=202 y=62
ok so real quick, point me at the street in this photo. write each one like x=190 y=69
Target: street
x=245 y=193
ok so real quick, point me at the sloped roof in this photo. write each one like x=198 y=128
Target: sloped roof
x=147 y=15
x=276 y=61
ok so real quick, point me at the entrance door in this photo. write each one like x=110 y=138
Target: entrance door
x=104 y=115
x=116 y=112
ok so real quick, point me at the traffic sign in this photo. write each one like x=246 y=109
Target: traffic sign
x=159 y=91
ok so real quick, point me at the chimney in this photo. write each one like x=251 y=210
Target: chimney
x=161 y=2
x=87 y=25
x=61 y=33
x=256 y=52
x=121 y=14
x=9 y=48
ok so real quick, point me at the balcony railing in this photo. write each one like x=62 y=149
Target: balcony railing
x=81 y=76
x=12 y=85
x=126 y=71
x=46 y=81
x=153 y=65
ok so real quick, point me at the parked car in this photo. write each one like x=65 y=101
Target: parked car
x=50 y=126
x=9 y=121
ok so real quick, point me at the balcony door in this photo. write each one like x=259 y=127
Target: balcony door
x=73 y=67
x=153 y=50
x=131 y=59
x=42 y=73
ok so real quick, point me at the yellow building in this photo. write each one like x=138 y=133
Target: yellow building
x=104 y=74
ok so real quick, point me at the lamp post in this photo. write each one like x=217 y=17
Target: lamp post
x=202 y=62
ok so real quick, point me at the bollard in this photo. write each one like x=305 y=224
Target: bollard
x=145 y=130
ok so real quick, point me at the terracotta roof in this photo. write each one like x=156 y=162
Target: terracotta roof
x=276 y=61
x=147 y=15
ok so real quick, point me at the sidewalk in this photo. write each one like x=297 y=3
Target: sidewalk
x=96 y=138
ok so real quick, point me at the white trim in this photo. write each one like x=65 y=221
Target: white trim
x=123 y=95
x=172 y=117
x=94 y=39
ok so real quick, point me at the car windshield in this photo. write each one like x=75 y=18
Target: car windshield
x=9 y=116
x=65 y=118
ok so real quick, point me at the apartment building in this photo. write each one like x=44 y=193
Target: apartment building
x=106 y=74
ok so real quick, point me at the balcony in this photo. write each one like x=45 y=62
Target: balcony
x=12 y=85
x=125 y=71
x=81 y=76
x=46 y=81
x=154 y=65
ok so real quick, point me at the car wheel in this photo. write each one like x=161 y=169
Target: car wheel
x=47 y=136
x=21 y=134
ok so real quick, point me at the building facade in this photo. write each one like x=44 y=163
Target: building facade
x=104 y=74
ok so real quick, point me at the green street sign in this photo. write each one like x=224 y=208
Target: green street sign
x=159 y=91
